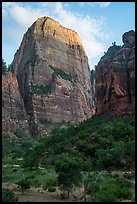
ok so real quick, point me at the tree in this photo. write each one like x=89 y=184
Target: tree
x=8 y=195
x=4 y=67
x=24 y=184
x=30 y=160
x=69 y=173
x=114 y=43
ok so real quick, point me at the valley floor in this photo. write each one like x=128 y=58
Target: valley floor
x=40 y=195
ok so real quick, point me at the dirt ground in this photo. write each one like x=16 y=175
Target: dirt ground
x=40 y=195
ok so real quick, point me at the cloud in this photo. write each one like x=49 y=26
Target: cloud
x=90 y=30
x=21 y=15
x=94 y=4
x=102 y=4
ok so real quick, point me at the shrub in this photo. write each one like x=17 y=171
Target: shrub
x=129 y=175
x=51 y=189
x=36 y=183
x=8 y=195
x=107 y=194
x=49 y=182
x=113 y=190
x=24 y=184
x=125 y=193
x=21 y=133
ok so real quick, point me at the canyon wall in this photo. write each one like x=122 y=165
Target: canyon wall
x=115 y=78
x=13 y=111
x=53 y=74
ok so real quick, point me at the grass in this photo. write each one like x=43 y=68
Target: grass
x=11 y=176
x=41 y=177
x=109 y=186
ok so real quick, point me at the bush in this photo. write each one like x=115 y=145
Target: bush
x=113 y=190
x=107 y=194
x=21 y=133
x=51 y=189
x=36 y=183
x=8 y=196
x=50 y=182
x=24 y=184
x=129 y=175
x=125 y=193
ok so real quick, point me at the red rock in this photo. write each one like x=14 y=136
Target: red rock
x=115 y=79
x=53 y=57
x=13 y=112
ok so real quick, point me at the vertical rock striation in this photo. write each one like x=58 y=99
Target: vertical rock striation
x=115 y=78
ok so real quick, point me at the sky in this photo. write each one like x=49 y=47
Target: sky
x=98 y=24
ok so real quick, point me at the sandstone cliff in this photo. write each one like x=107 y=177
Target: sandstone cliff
x=115 y=78
x=13 y=112
x=53 y=74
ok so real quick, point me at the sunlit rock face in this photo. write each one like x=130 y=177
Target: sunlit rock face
x=115 y=78
x=53 y=74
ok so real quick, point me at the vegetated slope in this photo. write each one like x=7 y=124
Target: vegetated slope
x=104 y=146
x=101 y=142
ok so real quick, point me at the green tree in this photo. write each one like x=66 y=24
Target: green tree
x=69 y=173
x=24 y=184
x=114 y=43
x=30 y=160
x=4 y=67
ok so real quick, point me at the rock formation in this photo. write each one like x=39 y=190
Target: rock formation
x=115 y=78
x=13 y=112
x=53 y=74
x=51 y=80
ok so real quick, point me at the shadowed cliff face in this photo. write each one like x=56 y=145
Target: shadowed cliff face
x=53 y=74
x=13 y=112
x=115 y=78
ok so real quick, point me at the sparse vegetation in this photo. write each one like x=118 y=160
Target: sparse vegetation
x=61 y=73
x=21 y=114
x=41 y=89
